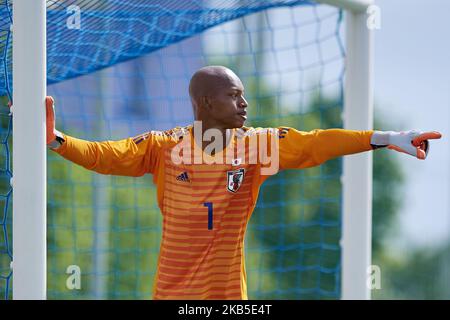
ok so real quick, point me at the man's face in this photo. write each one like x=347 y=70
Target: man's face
x=228 y=103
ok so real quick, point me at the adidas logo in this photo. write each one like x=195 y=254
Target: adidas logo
x=183 y=177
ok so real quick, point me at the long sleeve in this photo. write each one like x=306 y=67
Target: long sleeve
x=128 y=157
x=299 y=149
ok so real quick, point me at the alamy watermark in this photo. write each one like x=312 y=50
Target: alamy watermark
x=373 y=277
x=73 y=281
x=254 y=147
x=374 y=17
x=74 y=19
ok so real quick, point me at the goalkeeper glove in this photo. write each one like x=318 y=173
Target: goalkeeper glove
x=54 y=138
x=411 y=142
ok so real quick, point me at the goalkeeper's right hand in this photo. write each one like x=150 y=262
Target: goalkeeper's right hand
x=54 y=138
x=50 y=116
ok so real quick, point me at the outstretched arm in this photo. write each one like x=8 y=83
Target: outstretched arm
x=299 y=149
x=304 y=149
x=128 y=157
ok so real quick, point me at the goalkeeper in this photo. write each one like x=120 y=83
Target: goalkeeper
x=206 y=205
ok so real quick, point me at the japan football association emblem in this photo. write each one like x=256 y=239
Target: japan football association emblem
x=234 y=179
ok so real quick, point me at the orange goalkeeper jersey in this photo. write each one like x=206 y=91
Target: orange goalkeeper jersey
x=206 y=206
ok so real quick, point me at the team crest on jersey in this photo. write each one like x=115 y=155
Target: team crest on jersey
x=234 y=179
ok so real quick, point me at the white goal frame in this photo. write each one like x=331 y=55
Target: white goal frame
x=29 y=150
x=356 y=242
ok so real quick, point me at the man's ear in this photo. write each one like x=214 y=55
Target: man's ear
x=206 y=102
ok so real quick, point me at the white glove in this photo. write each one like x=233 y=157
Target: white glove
x=411 y=142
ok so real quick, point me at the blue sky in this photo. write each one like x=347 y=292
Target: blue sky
x=412 y=88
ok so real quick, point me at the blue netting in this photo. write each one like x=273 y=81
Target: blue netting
x=114 y=31
x=291 y=60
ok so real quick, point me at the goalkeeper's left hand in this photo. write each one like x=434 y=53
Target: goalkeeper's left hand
x=411 y=142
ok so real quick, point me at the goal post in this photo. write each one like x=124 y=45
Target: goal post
x=29 y=150
x=353 y=6
x=357 y=169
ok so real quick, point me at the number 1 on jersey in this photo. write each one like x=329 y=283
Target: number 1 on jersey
x=210 y=214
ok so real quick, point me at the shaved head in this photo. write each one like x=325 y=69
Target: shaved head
x=217 y=97
x=209 y=80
